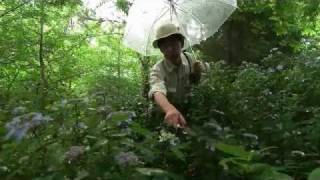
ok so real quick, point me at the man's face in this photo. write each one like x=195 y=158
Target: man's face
x=171 y=48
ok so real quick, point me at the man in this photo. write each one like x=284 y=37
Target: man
x=171 y=79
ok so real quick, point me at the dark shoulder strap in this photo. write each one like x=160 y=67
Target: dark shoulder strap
x=188 y=59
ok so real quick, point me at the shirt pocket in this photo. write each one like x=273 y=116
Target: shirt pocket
x=171 y=85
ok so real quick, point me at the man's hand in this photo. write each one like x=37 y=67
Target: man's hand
x=197 y=67
x=195 y=76
x=174 y=118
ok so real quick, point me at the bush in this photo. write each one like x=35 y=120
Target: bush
x=250 y=122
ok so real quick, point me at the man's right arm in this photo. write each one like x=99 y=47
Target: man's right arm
x=158 y=93
x=173 y=116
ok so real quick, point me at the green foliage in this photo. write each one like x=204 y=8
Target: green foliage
x=288 y=20
x=252 y=122
x=257 y=27
x=123 y=5
x=315 y=174
x=272 y=105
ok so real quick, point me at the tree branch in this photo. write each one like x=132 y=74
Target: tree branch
x=14 y=9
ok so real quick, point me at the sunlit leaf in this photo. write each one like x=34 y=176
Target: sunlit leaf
x=150 y=171
x=238 y=151
x=314 y=175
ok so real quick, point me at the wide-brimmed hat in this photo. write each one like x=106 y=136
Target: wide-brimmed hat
x=166 y=30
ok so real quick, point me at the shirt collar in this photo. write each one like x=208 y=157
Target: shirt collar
x=170 y=66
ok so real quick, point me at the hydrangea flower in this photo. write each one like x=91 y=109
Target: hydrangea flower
x=19 y=110
x=81 y=125
x=125 y=118
x=125 y=159
x=16 y=129
x=168 y=137
x=20 y=125
x=74 y=153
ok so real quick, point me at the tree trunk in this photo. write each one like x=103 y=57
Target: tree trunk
x=145 y=67
x=43 y=80
x=119 y=67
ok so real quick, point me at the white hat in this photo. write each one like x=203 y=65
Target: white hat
x=164 y=31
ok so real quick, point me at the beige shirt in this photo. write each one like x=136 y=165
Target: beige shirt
x=171 y=80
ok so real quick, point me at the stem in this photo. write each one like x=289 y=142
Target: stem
x=44 y=83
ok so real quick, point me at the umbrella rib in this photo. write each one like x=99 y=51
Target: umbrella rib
x=184 y=11
x=195 y=17
x=161 y=15
x=170 y=3
x=185 y=34
x=227 y=3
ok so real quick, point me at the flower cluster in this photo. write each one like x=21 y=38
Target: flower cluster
x=20 y=125
x=125 y=159
x=19 y=110
x=125 y=118
x=74 y=153
x=166 y=136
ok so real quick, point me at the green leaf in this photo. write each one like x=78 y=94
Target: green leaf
x=81 y=175
x=137 y=128
x=150 y=171
x=314 y=175
x=118 y=116
x=273 y=176
x=159 y=173
x=238 y=151
x=267 y=172
x=2 y=8
x=178 y=154
x=259 y=168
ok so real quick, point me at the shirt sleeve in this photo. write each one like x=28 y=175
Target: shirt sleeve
x=156 y=81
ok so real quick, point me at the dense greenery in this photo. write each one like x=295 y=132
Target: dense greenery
x=73 y=106
x=258 y=26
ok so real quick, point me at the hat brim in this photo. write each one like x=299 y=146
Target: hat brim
x=155 y=42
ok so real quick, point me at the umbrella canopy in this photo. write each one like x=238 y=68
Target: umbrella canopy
x=197 y=19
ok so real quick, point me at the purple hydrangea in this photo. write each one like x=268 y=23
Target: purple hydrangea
x=125 y=159
x=16 y=129
x=74 y=153
x=19 y=126
x=81 y=125
x=125 y=118
x=19 y=110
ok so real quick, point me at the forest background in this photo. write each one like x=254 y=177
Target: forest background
x=73 y=99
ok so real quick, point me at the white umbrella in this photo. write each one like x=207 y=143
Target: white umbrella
x=198 y=20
